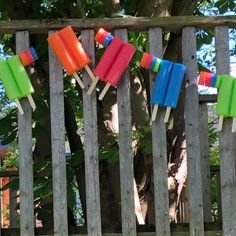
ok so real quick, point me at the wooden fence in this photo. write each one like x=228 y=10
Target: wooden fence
x=195 y=127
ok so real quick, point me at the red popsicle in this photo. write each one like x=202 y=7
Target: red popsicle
x=106 y=61
x=118 y=67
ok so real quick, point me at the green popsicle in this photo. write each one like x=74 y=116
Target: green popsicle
x=225 y=85
x=20 y=75
x=232 y=110
x=9 y=83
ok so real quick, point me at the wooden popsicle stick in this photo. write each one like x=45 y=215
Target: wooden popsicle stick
x=154 y=112
x=20 y=109
x=89 y=71
x=92 y=86
x=234 y=125
x=78 y=80
x=104 y=91
x=220 y=125
x=31 y=101
x=167 y=115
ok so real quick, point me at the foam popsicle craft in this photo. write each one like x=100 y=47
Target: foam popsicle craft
x=150 y=62
x=12 y=91
x=16 y=81
x=70 y=53
x=232 y=110
x=113 y=74
x=224 y=84
x=103 y=37
x=174 y=87
x=22 y=79
x=113 y=47
x=207 y=79
x=160 y=86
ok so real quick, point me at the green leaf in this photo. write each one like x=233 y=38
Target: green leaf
x=12 y=184
x=77 y=158
x=7 y=124
x=10 y=137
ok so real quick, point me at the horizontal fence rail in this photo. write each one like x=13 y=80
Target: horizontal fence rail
x=133 y=23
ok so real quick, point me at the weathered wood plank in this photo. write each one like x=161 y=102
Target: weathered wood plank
x=134 y=23
x=204 y=142
x=192 y=132
x=58 y=145
x=176 y=229
x=159 y=150
x=180 y=233
x=125 y=150
x=227 y=142
x=210 y=98
x=25 y=154
x=91 y=147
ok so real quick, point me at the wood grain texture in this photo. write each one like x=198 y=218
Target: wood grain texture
x=205 y=167
x=227 y=142
x=159 y=149
x=125 y=149
x=134 y=23
x=91 y=147
x=25 y=154
x=192 y=132
x=58 y=145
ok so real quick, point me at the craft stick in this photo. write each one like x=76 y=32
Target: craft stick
x=154 y=112
x=93 y=85
x=89 y=71
x=221 y=118
x=78 y=80
x=104 y=91
x=31 y=101
x=234 y=125
x=20 y=109
x=167 y=115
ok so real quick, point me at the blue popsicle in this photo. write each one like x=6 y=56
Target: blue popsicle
x=174 y=88
x=161 y=85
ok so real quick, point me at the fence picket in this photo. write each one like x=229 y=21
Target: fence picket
x=58 y=145
x=125 y=150
x=25 y=154
x=91 y=147
x=192 y=132
x=159 y=150
x=205 y=167
x=227 y=141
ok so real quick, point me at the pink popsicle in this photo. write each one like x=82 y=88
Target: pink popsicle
x=120 y=64
x=118 y=67
x=106 y=61
x=108 y=58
